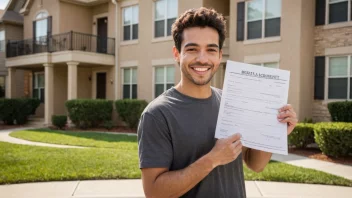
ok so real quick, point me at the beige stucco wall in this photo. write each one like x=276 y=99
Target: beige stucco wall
x=293 y=55
x=60 y=87
x=13 y=32
x=75 y=18
x=109 y=81
x=84 y=86
x=51 y=6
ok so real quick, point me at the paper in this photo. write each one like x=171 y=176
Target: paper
x=251 y=98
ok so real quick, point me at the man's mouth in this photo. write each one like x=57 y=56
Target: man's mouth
x=200 y=70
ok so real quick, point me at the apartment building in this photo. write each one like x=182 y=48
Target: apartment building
x=11 y=28
x=123 y=48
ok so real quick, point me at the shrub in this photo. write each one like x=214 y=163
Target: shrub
x=130 y=110
x=59 y=121
x=17 y=109
x=302 y=135
x=108 y=124
x=86 y=113
x=341 y=111
x=334 y=139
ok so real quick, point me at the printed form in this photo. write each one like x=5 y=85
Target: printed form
x=251 y=98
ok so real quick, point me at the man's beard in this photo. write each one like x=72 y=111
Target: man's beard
x=189 y=76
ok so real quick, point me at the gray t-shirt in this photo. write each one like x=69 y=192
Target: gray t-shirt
x=175 y=130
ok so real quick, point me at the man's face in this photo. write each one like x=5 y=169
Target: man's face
x=200 y=55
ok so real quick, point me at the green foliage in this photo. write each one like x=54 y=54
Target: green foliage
x=108 y=124
x=302 y=135
x=59 y=121
x=334 y=139
x=341 y=111
x=130 y=110
x=87 y=113
x=17 y=109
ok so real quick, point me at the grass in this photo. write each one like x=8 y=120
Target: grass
x=87 y=139
x=111 y=160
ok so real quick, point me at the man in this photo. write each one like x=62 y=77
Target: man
x=179 y=156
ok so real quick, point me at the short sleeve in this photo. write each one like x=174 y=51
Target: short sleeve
x=154 y=143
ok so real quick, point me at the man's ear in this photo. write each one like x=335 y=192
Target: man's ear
x=176 y=54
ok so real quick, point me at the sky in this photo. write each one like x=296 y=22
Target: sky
x=3 y=4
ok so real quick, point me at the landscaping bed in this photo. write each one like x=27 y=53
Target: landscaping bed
x=314 y=153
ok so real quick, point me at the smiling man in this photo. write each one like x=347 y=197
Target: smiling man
x=179 y=156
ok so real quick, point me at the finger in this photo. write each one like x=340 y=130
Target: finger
x=285 y=107
x=286 y=114
x=289 y=120
x=236 y=144
x=234 y=137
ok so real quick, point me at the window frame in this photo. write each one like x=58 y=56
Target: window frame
x=327 y=77
x=131 y=24
x=36 y=19
x=263 y=63
x=165 y=82
x=165 y=18
x=35 y=86
x=3 y=42
x=327 y=14
x=131 y=81
x=263 y=22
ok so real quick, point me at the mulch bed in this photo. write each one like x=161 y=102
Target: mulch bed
x=317 y=154
x=119 y=129
x=5 y=127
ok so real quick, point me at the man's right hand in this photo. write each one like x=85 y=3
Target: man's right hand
x=225 y=150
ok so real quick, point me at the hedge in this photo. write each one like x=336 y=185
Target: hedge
x=17 y=110
x=59 y=121
x=341 y=111
x=87 y=113
x=130 y=110
x=302 y=135
x=334 y=139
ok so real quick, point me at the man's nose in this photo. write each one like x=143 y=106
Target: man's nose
x=202 y=57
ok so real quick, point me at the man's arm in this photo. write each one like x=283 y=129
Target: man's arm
x=255 y=160
x=160 y=182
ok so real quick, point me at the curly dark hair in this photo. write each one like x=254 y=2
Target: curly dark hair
x=201 y=17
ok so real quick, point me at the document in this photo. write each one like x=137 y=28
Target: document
x=251 y=98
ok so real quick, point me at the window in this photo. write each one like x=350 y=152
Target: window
x=41 y=27
x=164 y=16
x=130 y=23
x=339 y=77
x=38 y=89
x=164 y=79
x=130 y=83
x=2 y=86
x=338 y=10
x=263 y=18
x=2 y=41
x=270 y=65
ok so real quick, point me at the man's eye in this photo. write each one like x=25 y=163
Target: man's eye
x=212 y=50
x=191 y=49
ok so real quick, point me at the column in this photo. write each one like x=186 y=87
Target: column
x=49 y=92
x=72 y=80
x=11 y=83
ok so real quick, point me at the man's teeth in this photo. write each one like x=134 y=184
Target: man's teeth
x=201 y=69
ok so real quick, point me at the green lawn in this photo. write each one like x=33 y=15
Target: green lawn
x=88 y=139
x=119 y=159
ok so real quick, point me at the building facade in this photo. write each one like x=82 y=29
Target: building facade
x=123 y=48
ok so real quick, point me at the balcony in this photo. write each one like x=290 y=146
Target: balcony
x=70 y=41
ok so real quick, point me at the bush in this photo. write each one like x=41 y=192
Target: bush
x=108 y=124
x=130 y=110
x=17 y=109
x=334 y=139
x=302 y=135
x=59 y=121
x=341 y=111
x=87 y=113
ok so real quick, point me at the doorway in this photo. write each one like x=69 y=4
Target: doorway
x=101 y=86
x=102 y=31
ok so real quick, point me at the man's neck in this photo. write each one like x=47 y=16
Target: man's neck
x=194 y=91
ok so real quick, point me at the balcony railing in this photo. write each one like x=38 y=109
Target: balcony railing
x=61 y=42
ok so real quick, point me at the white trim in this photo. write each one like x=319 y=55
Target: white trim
x=129 y=42
x=327 y=14
x=39 y=11
x=264 y=58
x=165 y=82
x=95 y=22
x=327 y=77
x=262 y=40
x=338 y=51
x=35 y=85
x=162 y=39
x=165 y=18
x=131 y=24
x=163 y=62
x=131 y=82
x=128 y=3
x=132 y=63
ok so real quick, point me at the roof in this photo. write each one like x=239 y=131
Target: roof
x=1 y=13
x=12 y=16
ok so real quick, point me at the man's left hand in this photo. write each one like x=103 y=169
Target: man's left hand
x=288 y=115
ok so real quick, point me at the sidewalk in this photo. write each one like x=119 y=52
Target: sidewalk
x=328 y=167
x=134 y=189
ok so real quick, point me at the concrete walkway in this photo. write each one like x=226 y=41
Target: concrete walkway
x=133 y=188
x=4 y=137
x=328 y=167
